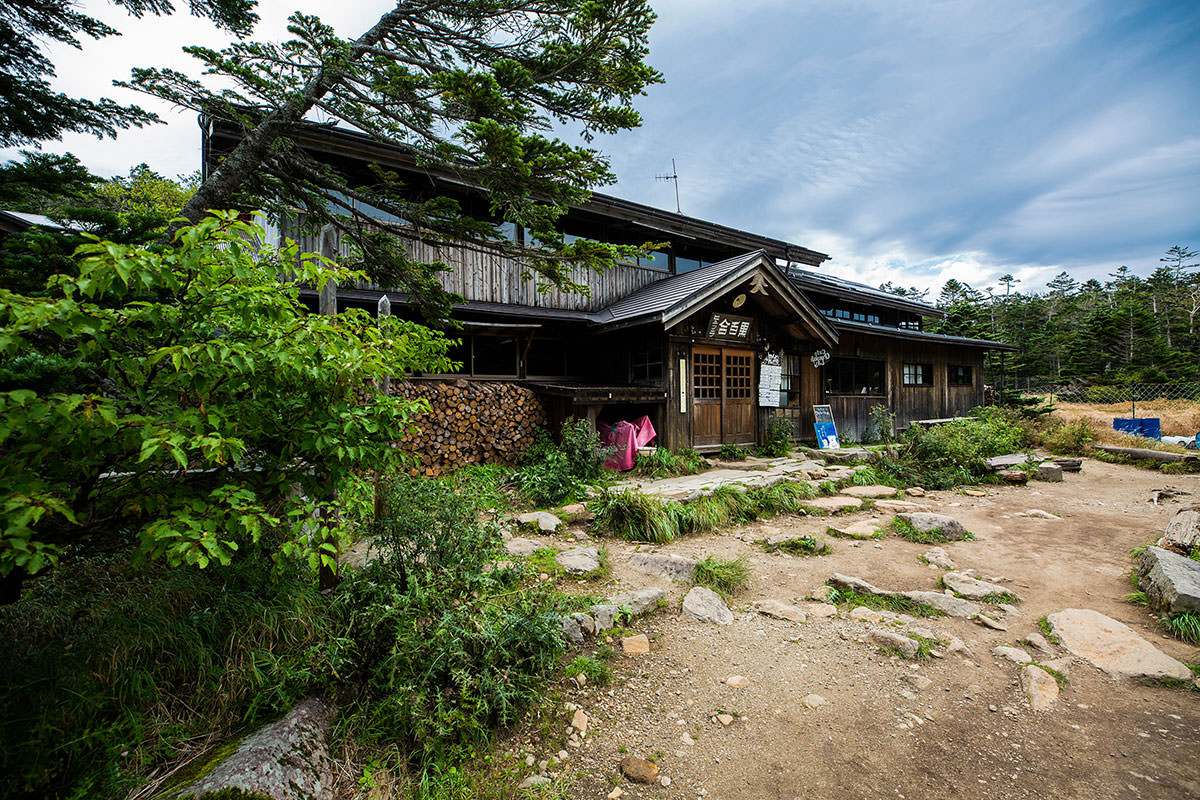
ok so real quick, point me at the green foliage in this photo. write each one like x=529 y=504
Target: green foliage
x=953 y=453
x=634 y=516
x=552 y=474
x=896 y=603
x=731 y=452
x=906 y=530
x=491 y=484
x=799 y=546
x=112 y=671
x=777 y=438
x=881 y=425
x=1047 y=630
x=722 y=575
x=1072 y=439
x=925 y=646
x=1185 y=625
x=662 y=463
x=594 y=669
x=202 y=404
x=780 y=498
x=997 y=598
x=1138 y=598
x=448 y=647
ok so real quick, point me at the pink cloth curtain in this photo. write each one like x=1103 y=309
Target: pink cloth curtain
x=627 y=437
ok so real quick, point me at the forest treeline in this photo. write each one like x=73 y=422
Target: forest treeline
x=1126 y=329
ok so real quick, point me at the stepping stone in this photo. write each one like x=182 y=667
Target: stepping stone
x=821 y=610
x=1113 y=646
x=897 y=506
x=971 y=588
x=832 y=504
x=544 y=521
x=873 y=491
x=704 y=605
x=863 y=529
x=676 y=568
x=938 y=557
x=1040 y=687
x=579 y=560
x=635 y=645
x=927 y=522
x=888 y=639
x=517 y=546
x=638 y=601
x=1050 y=472
x=778 y=610
x=1014 y=654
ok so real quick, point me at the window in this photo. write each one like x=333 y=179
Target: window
x=909 y=323
x=494 y=355
x=683 y=265
x=547 y=356
x=654 y=260
x=789 y=382
x=854 y=376
x=918 y=374
x=960 y=375
x=646 y=365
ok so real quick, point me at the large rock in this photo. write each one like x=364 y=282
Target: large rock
x=897 y=506
x=639 y=601
x=971 y=588
x=579 y=560
x=1040 y=687
x=1050 y=472
x=893 y=641
x=780 y=541
x=1183 y=532
x=1113 y=647
x=604 y=616
x=928 y=522
x=947 y=604
x=676 y=568
x=544 y=521
x=831 y=505
x=863 y=529
x=869 y=491
x=286 y=760
x=704 y=605
x=780 y=610
x=517 y=546
x=1170 y=581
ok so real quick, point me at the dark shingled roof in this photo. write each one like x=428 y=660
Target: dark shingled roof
x=665 y=294
x=905 y=333
x=854 y=291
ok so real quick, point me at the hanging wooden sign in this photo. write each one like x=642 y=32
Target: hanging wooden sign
x=727 y=326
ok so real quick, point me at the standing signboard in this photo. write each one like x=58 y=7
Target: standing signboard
x=827 y=436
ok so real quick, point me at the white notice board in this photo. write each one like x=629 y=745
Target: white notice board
x=770 y=376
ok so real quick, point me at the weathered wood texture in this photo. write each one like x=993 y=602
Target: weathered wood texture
x=470 y=422
x=487 y=277
x=1150 y=455
x=1183 y=532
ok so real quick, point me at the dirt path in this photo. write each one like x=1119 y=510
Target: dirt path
x=968 y=733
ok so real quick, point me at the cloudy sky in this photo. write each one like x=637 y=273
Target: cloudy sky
x=914 y=142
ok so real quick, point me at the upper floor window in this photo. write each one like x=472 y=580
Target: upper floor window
x=646 y=365
x=918 y=374
x=960 y=375
x=683 y=265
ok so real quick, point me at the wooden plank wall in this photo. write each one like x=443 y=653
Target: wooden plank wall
x=488 y=277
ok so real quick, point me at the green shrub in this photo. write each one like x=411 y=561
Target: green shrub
x=777 y=438
x=594 y=669
x=111 y=671
x=731 y=452
x=1067 y=438
x=1185 y=625
x=906 y=530
x=662 y=463
x=551 y=475
x=881 y=425
x=722 y=575
x=780 y=498
x=954 y=453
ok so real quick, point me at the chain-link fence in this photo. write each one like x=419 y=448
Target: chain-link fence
x=1176 y=405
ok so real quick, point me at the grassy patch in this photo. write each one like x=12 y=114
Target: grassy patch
x=1138 y=598
x=731 y=452
x=544 y=560
x=906 y=530
x=1059 y=678
x=879 y=534
x=634 y=516
x=798 y=546
x=925 y=646
x=896 y=603
x=724 y=576
x=663 y=463
x=1001 y=597
x=1048 y=631
x=1185 y=626
x=594 y=669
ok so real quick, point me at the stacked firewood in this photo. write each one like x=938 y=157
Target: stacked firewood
x=470 y=422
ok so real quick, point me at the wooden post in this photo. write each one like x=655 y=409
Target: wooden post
x=327 y=577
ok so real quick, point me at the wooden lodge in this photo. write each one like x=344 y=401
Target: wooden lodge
x=710 y=337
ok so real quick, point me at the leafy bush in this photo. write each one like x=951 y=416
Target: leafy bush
x=551 y=474
x=1067 y=438
x=731 y=452
x=447 y=648
x=906 y=530
x=594 y=669
x=111 y=671
x=954 y=453
x=777 y=438
x=722 y=575
x=881 y=426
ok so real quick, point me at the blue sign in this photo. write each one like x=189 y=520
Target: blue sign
x=827 y=435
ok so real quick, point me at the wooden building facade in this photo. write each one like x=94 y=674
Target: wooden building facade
x=710 y=337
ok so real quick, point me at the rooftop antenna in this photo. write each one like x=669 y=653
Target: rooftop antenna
x=674 y=176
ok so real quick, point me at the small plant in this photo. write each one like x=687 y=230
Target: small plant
x=1001 y=597
x=662 y=463
x=634 y=516
x=925 y=646
x=1048 y=631
x=906 y=530
x=731 y=452
x=724 y=576
x=777 y=439
x=544 y=560
x=897 y=603
x=595 y=670
x=1059 y=678
x=799 y=546
x=551 y=474
x=1138 y=598
x=828 y=487
x=1185 y=625
x=881 y=425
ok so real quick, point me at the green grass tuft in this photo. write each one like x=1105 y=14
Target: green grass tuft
x=799 y=546
x=634 y=516
x=896 y=603
x=1059 y=678
x=906 y=530
x=926 y=646
x=1048 y=631
x=724 y=576
x=1138 y=598
x=1185 y=625
x=594 y=669
x=1001 y=597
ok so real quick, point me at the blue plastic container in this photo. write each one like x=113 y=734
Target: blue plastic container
x=1147 y=427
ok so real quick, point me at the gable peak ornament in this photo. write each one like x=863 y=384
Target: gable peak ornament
x=758 y=284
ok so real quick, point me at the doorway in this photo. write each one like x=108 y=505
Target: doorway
x=722 y=396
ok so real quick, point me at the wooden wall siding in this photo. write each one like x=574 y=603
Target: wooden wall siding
x=487 y=277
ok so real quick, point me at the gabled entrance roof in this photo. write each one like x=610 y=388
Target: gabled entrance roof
x=670 y=300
